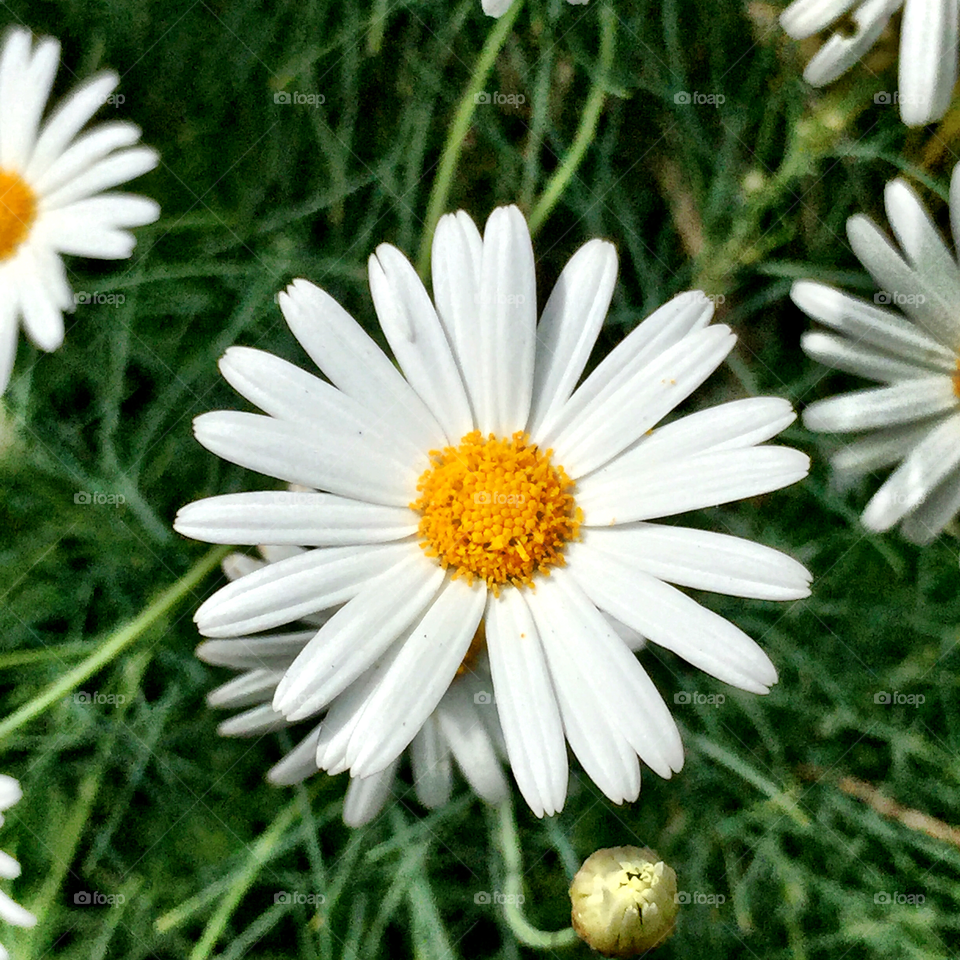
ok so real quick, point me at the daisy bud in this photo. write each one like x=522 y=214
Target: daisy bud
x=624 y=901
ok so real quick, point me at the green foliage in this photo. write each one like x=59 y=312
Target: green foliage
x=138 y=798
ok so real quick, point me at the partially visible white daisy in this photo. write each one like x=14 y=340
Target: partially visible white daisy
x=479 y=483
x=52 y=183
x=10 y=910
x=928 y=46
x=463 y=728
x=497 y=8
x=913 y=419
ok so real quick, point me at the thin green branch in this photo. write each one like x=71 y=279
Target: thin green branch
x=458 y=131
x=508 y=842
x=588 y=123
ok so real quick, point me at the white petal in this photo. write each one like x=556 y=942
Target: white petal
x=285 y=391
x=666 y=326
x=920 y=299
x=287 y=517
x=347 y=458
x=879 y=449
x=663 y=489
x=873 y=326
x=729 y=426
x=250 y=653
x=570 y=325
x=366 y=796
x=254 y=686
x=418 y=678
x=612 y=675
x=842 y=51
x=110 y=172
x=804 y=18
x=298 y=764
x=507 y=324
x=937 y=510
x=42 y=319
x=903 y=402
x=674 y=621
x=260 y=720
x=355 y=636
x=285 y=591
x=430 y=764
x=86 y=151
x=702 y=560
x=14 y=914
x=598 y=744
x=22 y=112
x=464 y=731
x=496 y=8
x=839 y=353
x=9 y=868
x=67 y=120
x=10 y=791
x=526 y=703
x=9 y=328
x=915 y=479
x=355 y=364
x=418 y=341
x=928 y=60
x=918 y=237
x=457 y=256
x=955 y=205
x=616 y=420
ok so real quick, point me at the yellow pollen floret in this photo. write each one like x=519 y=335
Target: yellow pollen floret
x=496 y=509
x=956 y=379
x=18 y=208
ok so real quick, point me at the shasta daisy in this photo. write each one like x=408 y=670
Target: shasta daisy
x=479 y=483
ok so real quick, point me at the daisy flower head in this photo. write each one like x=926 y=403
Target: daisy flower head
x=478 y=483
x=10 y=910
x=928 y=46
x=52 y=183
x=908 y=340
x=463 y=728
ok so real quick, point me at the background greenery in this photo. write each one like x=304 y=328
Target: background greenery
x=142 y=799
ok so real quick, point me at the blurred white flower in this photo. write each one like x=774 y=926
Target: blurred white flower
x=52 y=183
x=907 y=339
x=928 y=46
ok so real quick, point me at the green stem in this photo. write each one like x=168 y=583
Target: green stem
x=458 y=131
x=508 y=841
x=115 y=643
x=588 y=124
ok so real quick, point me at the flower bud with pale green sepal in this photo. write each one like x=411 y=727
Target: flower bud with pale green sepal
x=624 y=901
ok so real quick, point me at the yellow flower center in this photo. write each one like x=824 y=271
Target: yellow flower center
x=956 y=379
x=18 y=207
x=496 y=509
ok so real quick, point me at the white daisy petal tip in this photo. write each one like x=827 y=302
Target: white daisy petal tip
x=10 y=910
x=55 y=179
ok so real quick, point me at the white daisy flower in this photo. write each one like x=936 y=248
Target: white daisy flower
x=928 y=46
x=497 y=8
x=463 y=728
x=51 y=191
x=480 y=485
x=10 y=910
x=913 y=419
